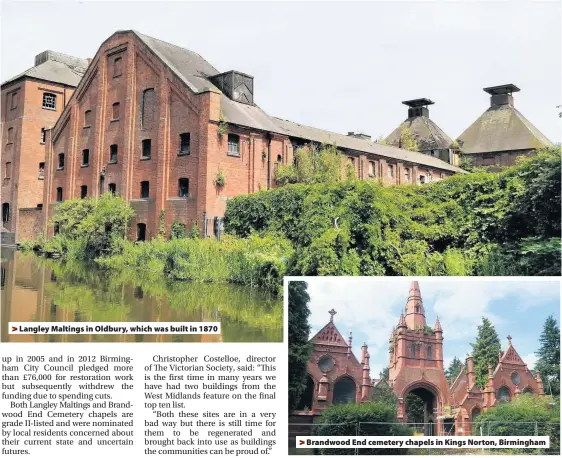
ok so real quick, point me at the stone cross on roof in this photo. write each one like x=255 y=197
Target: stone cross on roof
x=332 y=313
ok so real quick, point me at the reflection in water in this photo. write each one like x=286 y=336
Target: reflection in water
x=37 y=289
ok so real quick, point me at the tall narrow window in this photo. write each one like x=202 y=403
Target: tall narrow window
x=43 y=135
x=115 y=111
x=141 y=232
x=146 y=149
x=61 y=161
x=371 y=169
x=390 y=171
x=145 y=189
x=413 y=350
x=41 y=170
x=113 y=149
x=233 y=145
x=83 y=191
x=59 y=194
x=5 y=212
x=10 y=135
x=148 y=107
x=8 y=171
x=49 y=101
x=407 y=175
x=183 y=187
x=185 y=141
x=85 y=158
x=14 y=104
x=88 y=118
x=117 y=66
x=422 y=179
x=429 y=352
x=112 y=188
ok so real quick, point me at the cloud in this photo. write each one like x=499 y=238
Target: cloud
x=531 y=359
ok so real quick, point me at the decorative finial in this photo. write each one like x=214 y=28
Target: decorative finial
x=332 y=313
x=509 y=339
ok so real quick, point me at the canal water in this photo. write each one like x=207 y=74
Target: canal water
x=35 y=289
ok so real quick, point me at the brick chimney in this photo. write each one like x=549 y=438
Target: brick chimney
x=501 y=95
x=418 y=107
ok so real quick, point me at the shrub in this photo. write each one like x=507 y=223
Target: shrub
x=372 y=419
x=177 y=230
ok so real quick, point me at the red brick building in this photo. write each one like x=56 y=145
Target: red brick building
x=31 y=103
x=160 y=126
x=335 y=375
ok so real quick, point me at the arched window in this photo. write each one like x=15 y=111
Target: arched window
x=307 y=398
x=5 y=212
x=475 y=414
x=429 y=352
x=503 y=394
x=344 y=391
x=148 y=107
x=528 y=390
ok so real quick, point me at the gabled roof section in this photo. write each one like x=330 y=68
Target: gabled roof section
x=54 y=71
x=294 y=129
x=427 y=134
x=501 y=128
x=329 y=335
x=511 y=356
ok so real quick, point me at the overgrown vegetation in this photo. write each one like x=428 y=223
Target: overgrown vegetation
x=485 y=351
x=549 y=356
x=483 y=223
x=526 y=415
x=377 y=419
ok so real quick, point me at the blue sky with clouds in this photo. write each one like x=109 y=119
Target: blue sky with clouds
x=370 y=307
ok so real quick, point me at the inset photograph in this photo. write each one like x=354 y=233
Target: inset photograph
x=423 y=357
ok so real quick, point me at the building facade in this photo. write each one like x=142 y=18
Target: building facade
x=161 y=127
x=336 y=376
x=31 y=104
x=501 y=134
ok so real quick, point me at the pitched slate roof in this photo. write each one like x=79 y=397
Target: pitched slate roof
x=501 y=128
x=195 y=71
x=64 y=71
x=428 y=135
x=363 y=145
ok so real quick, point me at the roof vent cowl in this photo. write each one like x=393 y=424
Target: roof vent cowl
x=501 y=95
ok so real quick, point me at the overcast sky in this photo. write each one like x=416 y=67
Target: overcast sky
x=370 y=308
x=337 y=66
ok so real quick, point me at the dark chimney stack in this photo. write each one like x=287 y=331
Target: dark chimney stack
x=501 y=95
x=359 y=135
x=418 y=107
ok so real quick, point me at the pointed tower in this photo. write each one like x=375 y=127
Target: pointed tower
x=415 y=313
x=416 y=362
x=429 y=137
x=501 y=133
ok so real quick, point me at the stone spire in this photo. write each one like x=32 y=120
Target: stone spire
x=437 y=327
x=349 y=341
x=489 y=392
x=401 y=321
x=539 y=383
x=470 y=371
x=366 y=376
x=415 y=313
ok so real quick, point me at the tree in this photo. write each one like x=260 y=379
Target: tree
x=485 y=351
x=414 y=408
x=453 y=370
x=549 y=356
x=382 y=393
x=407 y=139
x=315 y=164
x=299 y=347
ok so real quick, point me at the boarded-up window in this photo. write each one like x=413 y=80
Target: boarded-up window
x=390 y=171
x=407 y=175
x=10 y=135
x=117 y=66
x=41 y=170
x=148 y=108
x=15 y=96
x=88 y=118
x=115 y=111
x=371 y=169
x=8 y=171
